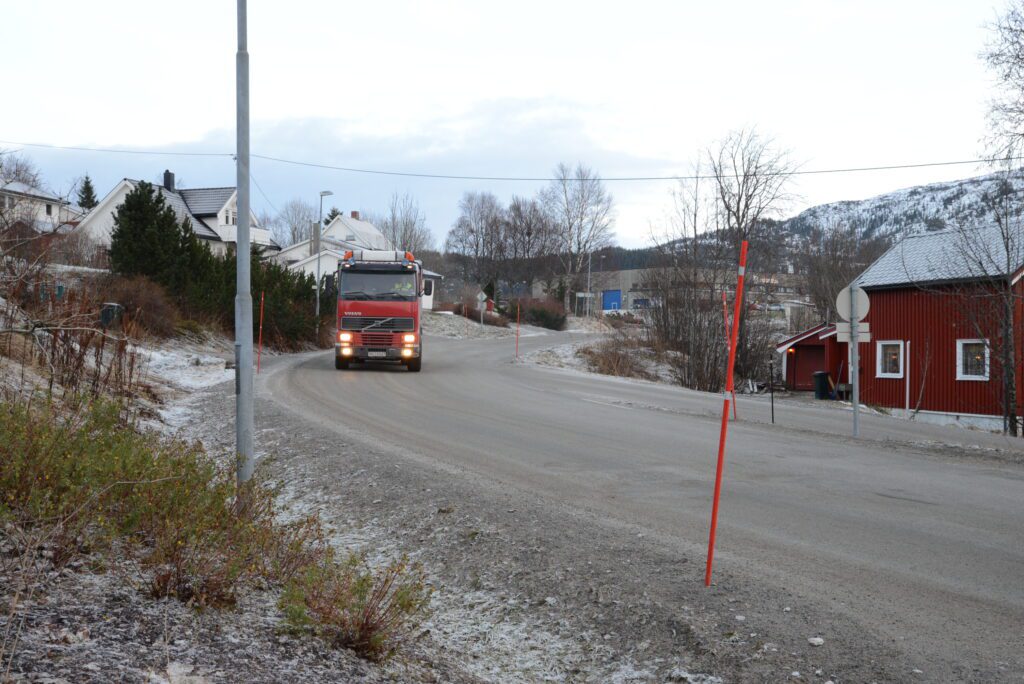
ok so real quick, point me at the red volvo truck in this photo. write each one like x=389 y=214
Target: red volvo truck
x=379 y=309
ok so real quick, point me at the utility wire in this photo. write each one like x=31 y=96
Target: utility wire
x=260 y=188
x=444 y=176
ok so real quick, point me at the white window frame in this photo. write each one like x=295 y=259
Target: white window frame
x=878 y=359
x=960 y=375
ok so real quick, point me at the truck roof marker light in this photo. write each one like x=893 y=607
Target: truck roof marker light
x=348 y=255
x=409 y=256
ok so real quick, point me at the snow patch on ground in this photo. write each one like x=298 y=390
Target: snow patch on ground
x=459 y=327
x=177 y=368
x=655 y=367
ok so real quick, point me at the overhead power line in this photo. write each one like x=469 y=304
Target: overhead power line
x=447 y=176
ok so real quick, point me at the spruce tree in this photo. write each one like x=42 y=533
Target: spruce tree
x=87 y=194
x=334 y=213
x=147 y=238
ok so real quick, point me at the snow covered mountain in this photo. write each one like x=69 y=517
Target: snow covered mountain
x=914 y=210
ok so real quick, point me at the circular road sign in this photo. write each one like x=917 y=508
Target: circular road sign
x=843 y=303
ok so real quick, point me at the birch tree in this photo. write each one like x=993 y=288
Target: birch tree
x=582 y=211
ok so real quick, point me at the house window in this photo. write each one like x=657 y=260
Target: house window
x=49 y=210
x=889 y=359
x=972 y=360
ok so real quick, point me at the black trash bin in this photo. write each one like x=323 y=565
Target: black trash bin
x=821 y=389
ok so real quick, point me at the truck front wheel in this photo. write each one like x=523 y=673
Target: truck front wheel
x=415 y=364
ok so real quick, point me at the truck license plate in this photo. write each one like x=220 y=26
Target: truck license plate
x=377 y=354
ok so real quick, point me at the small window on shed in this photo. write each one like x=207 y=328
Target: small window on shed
x=972 y=360
x=49 y=210
x=889 y=359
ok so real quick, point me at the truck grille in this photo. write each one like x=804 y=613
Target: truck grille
x=378 y=323
x=376 y=339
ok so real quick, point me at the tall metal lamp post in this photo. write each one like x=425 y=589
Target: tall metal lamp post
x=319 y=231
x=243 y=297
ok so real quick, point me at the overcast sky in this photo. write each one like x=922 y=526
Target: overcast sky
x=498 y=89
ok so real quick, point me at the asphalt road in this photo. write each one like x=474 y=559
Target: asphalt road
x=923 y=543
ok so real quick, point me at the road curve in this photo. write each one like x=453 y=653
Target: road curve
x=924 y=545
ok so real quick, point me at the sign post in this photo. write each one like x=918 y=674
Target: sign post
x=481 y=297
x=259 y=346
x=853 y=304
x=517 y=330
x=737 y=309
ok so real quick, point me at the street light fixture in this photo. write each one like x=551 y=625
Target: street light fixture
x=316 y=240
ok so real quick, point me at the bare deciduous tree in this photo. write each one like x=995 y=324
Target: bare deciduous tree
x=583 y=214
x=832 y=257
x=991 y=258
x=529 y=237
x=750 y=178
x=293 y=224
x=685 y=287
x=477 y=236
x=404 y=224
x=1004 y=56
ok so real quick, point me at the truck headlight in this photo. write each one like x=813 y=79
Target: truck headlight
x=344 y=337
x=409 y=337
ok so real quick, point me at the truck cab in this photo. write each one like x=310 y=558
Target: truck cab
x=379 y=306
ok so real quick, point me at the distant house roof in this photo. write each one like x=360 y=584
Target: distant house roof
x=355 y=231
x=31 y=191
x=947 y=256
x=789 y=342
x=206 y=201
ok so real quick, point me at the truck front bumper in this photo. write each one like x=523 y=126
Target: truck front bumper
x=376 y=353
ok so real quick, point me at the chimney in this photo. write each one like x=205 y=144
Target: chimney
x=169 y=181
x=355 y=215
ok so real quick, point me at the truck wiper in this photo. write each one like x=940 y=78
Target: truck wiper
x=355 y=294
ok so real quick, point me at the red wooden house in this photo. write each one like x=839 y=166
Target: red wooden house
x=815 y=349
x=936 y=327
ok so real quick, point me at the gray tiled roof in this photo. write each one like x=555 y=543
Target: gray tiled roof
x=182 y=211
x=948 y=256
x=206 y=201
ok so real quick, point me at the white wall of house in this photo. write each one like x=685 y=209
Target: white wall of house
x=98 y=224
x=225 y=224
x=329 y=260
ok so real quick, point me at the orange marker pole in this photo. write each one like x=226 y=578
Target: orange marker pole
x=259 y=348
x=725 y=409
x=517 y=330
x=725 y=320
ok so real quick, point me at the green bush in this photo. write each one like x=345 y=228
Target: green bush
x=83 y=481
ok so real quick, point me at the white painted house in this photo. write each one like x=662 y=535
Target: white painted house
x=340 y=235
x=212 y=211
x=34 y=208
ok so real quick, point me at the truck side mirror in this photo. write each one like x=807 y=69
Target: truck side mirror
x=428 y=288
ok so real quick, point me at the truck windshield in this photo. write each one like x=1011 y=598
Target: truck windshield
x=381 y=285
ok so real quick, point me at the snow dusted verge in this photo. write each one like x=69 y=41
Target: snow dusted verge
x=572 y=356
x=440 y=324
x=177 y=368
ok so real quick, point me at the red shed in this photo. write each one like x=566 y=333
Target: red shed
x=935 y=325
x=815 y=349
